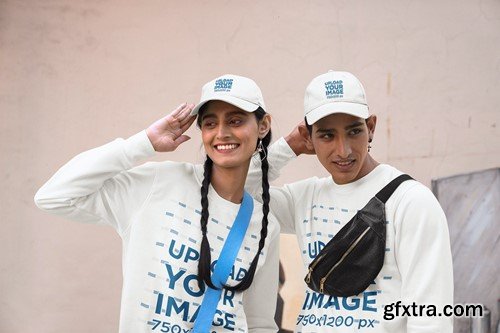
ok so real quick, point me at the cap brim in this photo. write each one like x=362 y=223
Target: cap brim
x=354 y=109
x=238 y=102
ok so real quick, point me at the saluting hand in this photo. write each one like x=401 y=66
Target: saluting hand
x=166 y=134
x=299 y=140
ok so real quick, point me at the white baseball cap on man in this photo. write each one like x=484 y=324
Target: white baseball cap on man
x=236 y=90
x=334 y=92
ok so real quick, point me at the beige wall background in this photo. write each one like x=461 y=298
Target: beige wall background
x=76 y=74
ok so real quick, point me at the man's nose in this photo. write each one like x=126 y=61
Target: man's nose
x=343 y=148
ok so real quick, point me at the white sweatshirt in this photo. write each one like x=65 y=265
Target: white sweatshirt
x=417 y=266
x=155 y=208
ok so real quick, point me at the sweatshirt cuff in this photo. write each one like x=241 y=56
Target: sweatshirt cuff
x=138 y=147
x=280 y=153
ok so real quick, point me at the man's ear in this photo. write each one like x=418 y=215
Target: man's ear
x=304 y=133
x=371 y=123
x=264 y=126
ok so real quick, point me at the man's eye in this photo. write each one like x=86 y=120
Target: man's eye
x=355 y=131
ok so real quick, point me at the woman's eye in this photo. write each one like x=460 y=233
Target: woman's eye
x=208 y=124
x=235 y=121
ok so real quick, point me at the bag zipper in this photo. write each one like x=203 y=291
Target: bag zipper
x=311 y=267
x=349 y=250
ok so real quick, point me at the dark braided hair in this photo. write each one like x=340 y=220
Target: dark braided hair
x=205 y=258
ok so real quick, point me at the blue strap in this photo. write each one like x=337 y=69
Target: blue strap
x=223 y=266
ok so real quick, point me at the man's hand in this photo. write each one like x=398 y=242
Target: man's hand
x=166 y=134
x=300 y=141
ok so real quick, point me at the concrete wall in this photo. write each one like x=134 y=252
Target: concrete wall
x=471 y=203
x=76 y=74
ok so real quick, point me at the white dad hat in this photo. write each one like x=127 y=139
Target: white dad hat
x=334 y=92
x=236 y=90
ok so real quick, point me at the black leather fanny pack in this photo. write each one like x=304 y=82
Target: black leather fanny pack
x=353 y=258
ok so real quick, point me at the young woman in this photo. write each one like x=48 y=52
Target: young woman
x=174 y=218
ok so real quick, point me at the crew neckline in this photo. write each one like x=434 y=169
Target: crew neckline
x=212 y=193
x=349 y=187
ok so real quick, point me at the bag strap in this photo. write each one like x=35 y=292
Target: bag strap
x=224 y=265
x=385 y=193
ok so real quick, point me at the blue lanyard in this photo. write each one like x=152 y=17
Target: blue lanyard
x=223 y=267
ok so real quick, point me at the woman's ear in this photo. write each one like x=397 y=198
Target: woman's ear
x=264 y=126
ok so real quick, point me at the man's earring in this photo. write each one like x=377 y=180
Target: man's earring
x=369 y=145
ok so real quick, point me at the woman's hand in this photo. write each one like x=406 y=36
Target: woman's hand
x=166 y=134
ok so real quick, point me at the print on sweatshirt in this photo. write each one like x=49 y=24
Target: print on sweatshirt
x=176 y=274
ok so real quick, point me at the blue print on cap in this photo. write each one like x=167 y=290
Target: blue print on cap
x=334 y=89
x=223 y=85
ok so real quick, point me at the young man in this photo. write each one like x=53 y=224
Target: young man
x=417 y=268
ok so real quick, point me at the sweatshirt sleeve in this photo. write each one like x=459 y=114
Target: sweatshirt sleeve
x=424 y=259
x=100 y=186
x=260 y=299
x=281 y=204
x=278 y=155
x=283 y=208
